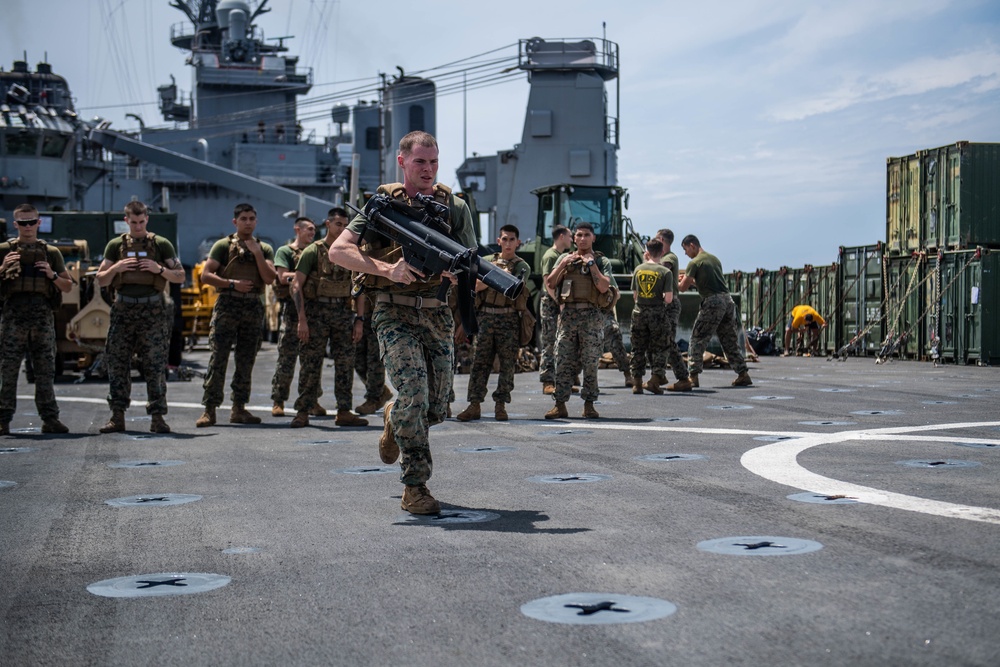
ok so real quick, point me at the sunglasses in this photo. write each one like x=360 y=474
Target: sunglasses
x=30 y=222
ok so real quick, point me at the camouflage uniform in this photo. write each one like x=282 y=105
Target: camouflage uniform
x=367 y=361
x=673 y=355
x=548 y=319
x=499 y=336
x=649 y=317
x=286 y=257
x=237 y=320
x=416 y=343
x=141 y=322
x=716 y=315
x=27 y=326
x=326 y=294
x=578 y=341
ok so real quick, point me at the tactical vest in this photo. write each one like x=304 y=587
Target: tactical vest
x=242 y=265
x=24 y=277
x=491 y=297
x=328 y=280
x=282 y=290
x=578 y=285
x=144 y=247
x=392 y=252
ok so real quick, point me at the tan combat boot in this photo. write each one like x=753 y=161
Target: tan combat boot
x=589 y=412
x=558 y=411
x=53 y=425
x=637 y=384
x=317 y=411
x=500 y=412
x=681 y=385
x=301 y=419
x=158 y=425
x=653 y=386
x=116 y=424
x=239 y=415
x=694 y=380
x=388 y=450
x=278 y=410
x=206 y=419
x=628 y=379
x=743 y=380
x=418 y=500
x=348 y=418
x=470 y=413
x=548 y=388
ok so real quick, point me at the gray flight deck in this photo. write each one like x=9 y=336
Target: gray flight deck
x=661 y=534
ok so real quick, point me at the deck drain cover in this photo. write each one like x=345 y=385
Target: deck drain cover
x=836 y=390
x=485 y=448
x=448 y=517
x=978 y=445
x=562 y=432
x=730 y=407
x=774 y=438
x=241 y=550
x=335 y=441
x=940 y=402
x=27 y=429
x=571 y=478
x=877 y=412
x=597 y=609
x=828 y=423
x=150 y=436
x=677 y=419
x=153 y=500
x=16 y=450
x=938 y=463
x=759 y=545
x=145 y=464
x=4 y=484
x=367 y=470
x=820 y=499
x=158 y=585
x=771 y=398
x=671 y=457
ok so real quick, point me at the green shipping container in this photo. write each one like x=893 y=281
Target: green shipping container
x=903 y=206
x=858 y=311
x=961 y=196
x=906 y=305
x=969 y=307
x=824 y=300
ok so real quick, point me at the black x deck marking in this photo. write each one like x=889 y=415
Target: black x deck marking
x=589 y=609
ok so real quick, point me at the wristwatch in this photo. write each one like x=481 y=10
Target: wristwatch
x=589 y=263
x=232 y=285
x=161 y=270
x=360 y=318
x=55 y=276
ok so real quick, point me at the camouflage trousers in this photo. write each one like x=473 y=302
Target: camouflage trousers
x=673 y=357
x=498 y=336
x=418 y=353
x=717 y=315
x=141 y=329
x=368 y=363
x=578 y=347
x=649 y=338
x=236 y=323
x=28 y=326
x=288 y=353
x=613 y=340
x=328 y=323
x=548 y=318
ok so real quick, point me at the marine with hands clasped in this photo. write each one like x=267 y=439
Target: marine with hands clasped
x=138 y=265
x=285 y=259
x=414 y=328
x=652 y=287
x=499 y=331
x=32 y=275
x=548 y=310
x=583 y=284
x=239 y=266
x=322 y=296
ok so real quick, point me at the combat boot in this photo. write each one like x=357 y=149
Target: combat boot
x=743 y=380
x=301 y=419
x=589 y=411
x=157 y=425
x=653 y=386
x=636 y=384
x=53 y=425
x=279 y=409
x=628 y=379
x=239 y=415
x=681 y=385
x=206 y=419
x=659 y=377
x=317 y=411
x=4 y=428
x=348 y=418
x=388 y=450
x=500 y=412
x=558 y=411
x=548 y=388
x=470 y=413
x=116 y=424
x=694 y=380
x=418 y=500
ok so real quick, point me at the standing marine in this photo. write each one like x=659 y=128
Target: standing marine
x=32 y=276
x=414 y=328
x=548 y=315
x=239 y=266
x=583 y=284
x=716 y=315
x=138 y=265
x=499 y=331
x=322 y=296
x=652 y=288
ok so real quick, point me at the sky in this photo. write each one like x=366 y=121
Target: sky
x=761 y=126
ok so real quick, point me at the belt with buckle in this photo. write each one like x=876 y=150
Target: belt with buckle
x=579 y=304
x=496 y=311
x=412 y=301
x=155 y=298
x=240 y=295
x=332 y=299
